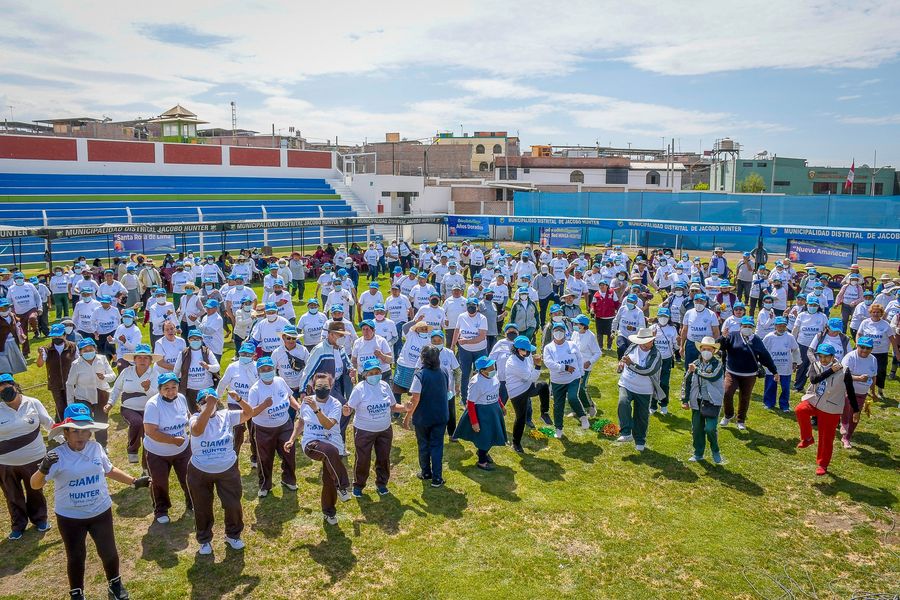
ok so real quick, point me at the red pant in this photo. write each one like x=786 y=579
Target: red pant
x=828 y=424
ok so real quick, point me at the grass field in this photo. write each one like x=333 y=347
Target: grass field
x=579 y=517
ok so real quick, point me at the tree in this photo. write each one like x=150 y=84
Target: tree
x=753 y=184
x=701 y=186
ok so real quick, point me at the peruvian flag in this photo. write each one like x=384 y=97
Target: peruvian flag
x=849 y=183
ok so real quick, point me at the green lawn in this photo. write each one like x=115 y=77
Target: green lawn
x=580 y=517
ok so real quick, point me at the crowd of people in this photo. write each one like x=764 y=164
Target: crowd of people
x=463 y=327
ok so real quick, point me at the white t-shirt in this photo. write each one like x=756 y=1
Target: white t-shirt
x=281 y=394
x=310 y=325
x=782 y=349
x=631 y=381
x=368 y=300
x=213 y=450
x=372 y=404
x=313 y=430
x=433 y=315
x=364 y=349
x=268 y=334
x=861 y=366
x=411 y=352
x=699 y=324
x=198 y=378
x=79 y=481
x=469 y=326
x=483 y=390
x=30 y=415
x=169 y=417
x=879 y=331
x=170 y=351
x=808 y=326
x=559 y=356
x=398 y=308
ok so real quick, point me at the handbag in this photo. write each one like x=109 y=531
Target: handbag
x=707 y=409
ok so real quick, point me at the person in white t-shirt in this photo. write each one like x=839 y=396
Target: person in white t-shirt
x=863 y=368
x=785 y=353
x=272 y=398
x=470 y=337
x=267 y=332
x=213 y=469
x=282 y=298
x=371 y=345
x=311 y=324
x=565 y=363
x=79 y=468
x=697 y=323
x=368 y=300
x=372 y=402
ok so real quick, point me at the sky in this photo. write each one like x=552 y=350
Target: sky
x=815 y=80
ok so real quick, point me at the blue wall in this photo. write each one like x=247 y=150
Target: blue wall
x=749 y=209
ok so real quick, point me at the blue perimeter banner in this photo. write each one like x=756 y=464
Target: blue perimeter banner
x=823 y=254
x=147 y=242
x=562 y=237
x=468 y=227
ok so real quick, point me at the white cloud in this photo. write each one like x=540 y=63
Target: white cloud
x=893 y=119
x=848 y=97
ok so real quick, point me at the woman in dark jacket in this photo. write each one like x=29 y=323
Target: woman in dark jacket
x=744 y=353
x=429 y=413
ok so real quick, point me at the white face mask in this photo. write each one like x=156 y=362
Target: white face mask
x=559 y=335
x=662 y=320
x=706 y=354
x=700 y=307
x=271 y=318
x=746 y=331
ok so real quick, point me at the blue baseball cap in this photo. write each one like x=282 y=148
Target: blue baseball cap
x=128 y=313
x=631 y=298
x=195 y=333
x=582 y=320
x=523 y=343
x=166 y=378
x=398 y=270
x=247 y=348
x=7 y=378
x=471 y=300
x=780 y=321
x=662 y=311
x=212 y=303
x=105 y=299
x=202 y=395
x=371 y=364
x=747 y=320
x=57 y=330
x=278 y=281
x=367 y=323
x=85 y=342
x=270 y=307
x=312 y=301
x=559 y=326
x=835 y=324
x=701 y=297
x=32 y=280
x=484 y=362
x=868 y=293
x=812 y=300
x=337 y=308
x=437 y=332
x=738 y=305
x=265 y=361
x=379 y=308
x=678 y=284
x=18 y=275
x=78 y=412
x=555 y=308
x=290 y=331
x=865 y=342
x=373 y=285
x=825 y=349
x=509 y=326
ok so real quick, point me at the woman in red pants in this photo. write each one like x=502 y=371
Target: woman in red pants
x=829 y=384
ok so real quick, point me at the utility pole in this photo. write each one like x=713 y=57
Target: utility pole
x=233 y=123
x=772 y=186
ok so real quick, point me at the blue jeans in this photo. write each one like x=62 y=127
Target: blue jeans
x=467 y=360
x=398 y=345
x=634 y=414
x=691 y=353
x=430 y=439
x=784 y=398
x=664 y=377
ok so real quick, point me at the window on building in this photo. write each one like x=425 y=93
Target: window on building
x=617 y=176
x=170 y=129
x=782 y=183
x=510 y=173
x=747 y=164
x=479 y=149
x=879 y=188
x=576 y=177
x=498 y=149
x=824 y=187
x=859 y=189
x=762 y=164
x=652 y=178
x=526 y=170
x=482 y=166
x=190 y=130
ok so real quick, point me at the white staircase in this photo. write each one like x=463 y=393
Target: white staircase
x=343 y=190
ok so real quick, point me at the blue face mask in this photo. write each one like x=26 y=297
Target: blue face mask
x=373 y=379
x=89 y=355
x=196 y=344
x=424 y=336
x=267 y=377
x=188 y=292
x=812 y=309
x=245 y=360
x=313 y=311
x=127 y=321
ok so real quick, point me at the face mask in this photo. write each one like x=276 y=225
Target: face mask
x=746 y=331
x=631 y=305
x=511 y=335
x=662 y=320
x=767 y=305
x=58 y=273
x=85 y=298
x=127 y=321
x=247 y=308
x=196 y=344
x=239 y=287
x=20 y=282
x=706 y=354
x=373 y=379
x=208 y=288
x=424 y=336
x=89 y=356
x=69 y=330
x=245 y=360
x=8 y=394
x=267 y=377
x=491 y=373
x=322 y=393
x=679 y=293
x=271 y=318
x=434 y=301
x=559 y=335
x=868 y=302
x=557 y=318
x=438 y=344
x=470 y=310
x=544 y=271
x=818 y=292
x=700 y=307
x=621 y=278
x=813 y=309
x=209 y=261
x=662 y=263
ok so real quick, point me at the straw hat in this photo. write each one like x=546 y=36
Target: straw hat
x=644 y=335
x=708 y=342
x=143 y=350
x=76 y=416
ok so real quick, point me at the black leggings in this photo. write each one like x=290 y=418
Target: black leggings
x=520 y=405
x=881 y=358
x=74 y=533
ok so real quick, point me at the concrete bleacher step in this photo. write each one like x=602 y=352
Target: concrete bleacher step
x=387 y=232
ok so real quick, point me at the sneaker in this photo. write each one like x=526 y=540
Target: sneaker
x=821 y=471
x=162 y=519
x=423 y=476
x=262 y=493
x=44 y=526
x=290 y=486
x=724 y=422
x=518 y=448
x=652 y=411
x=117 y=591
x=205 y=549
x=344 y=495
x=382 y=490
x=742 y=427
x=663 y=410
x=15 y=535
x=787 y=410
x=436 y=483
x=847 y=444
x=485 y=466
x=767 y=407
x=806 y=443
x=585 y=424
x=545 y=417
x=252 y=463
x=76 y=594
x=357 y=492
x=132 y=458
x=331 y=519
x=559 y=434
x=570 y=415
x=640 y=447
x=235 y=543
x=695 y=458
x=592 y=411
x=843 y=431
x=529 y=424
x=625 y=438
x=717 y=458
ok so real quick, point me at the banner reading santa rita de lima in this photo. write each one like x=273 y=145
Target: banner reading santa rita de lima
x=142 y=242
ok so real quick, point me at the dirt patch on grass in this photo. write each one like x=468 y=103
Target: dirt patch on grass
x=850 y=517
